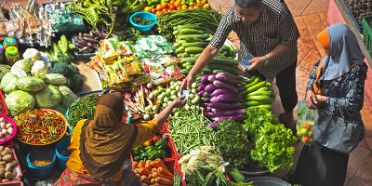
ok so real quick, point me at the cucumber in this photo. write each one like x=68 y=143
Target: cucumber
x=195 y=44
x=268 y=107
x=256 y=86
x=257 y=103
x=194 y=37
x=176 y=45
x=188 y=31
x=180 y=49
x=189 y=59
x=230 y=69
x=258 y=97
x=194 y=50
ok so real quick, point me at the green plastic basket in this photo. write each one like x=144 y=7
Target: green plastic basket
x=367 y=33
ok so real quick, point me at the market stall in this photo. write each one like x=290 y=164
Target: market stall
x=143 y=49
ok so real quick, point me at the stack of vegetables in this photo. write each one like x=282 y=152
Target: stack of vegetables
x=62 y=51
x=161 y=7
x=256 y=93
x=153 y=172
x=273 y=142
x=155 y=148
x=190 y=130
x=204 y=166
x=84 y=107
x=220 y=96
x=28 y=84
x=87 y=42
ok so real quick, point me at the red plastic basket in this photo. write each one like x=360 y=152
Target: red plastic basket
x=10 y=120
x=4 y=109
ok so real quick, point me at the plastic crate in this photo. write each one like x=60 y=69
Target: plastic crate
x=367 y=33
x=3 y=109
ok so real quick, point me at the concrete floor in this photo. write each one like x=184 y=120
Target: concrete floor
x=311 y=18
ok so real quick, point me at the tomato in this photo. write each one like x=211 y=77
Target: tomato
x=164 y=6
x=199 y=4
x=172 y=2
x=204 y=1
x=148 y=9
x=177 y=4
x=159 y=7
x=185 y=7
x=153 y=10
x=164 y=11
x=172 y=7
x=207 y=6
x=158 y=13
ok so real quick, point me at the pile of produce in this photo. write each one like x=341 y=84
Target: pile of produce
x=72 y=74
x=158 y=149
x=233 y=143
x=190 y=130
x=273 y=142
x=61 y=52
x=28 y=84
x=164 y=6
x=220 y=96
x=83 y=108
x=8 y=165
x=40 y=126
x=6 y=129
x=105 y=15
x=204 y=166
x=153 y=172
x=256 y=93
x=87 y=42
x=360 y=8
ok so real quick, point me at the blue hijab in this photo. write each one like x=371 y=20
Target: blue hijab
x=345 y=51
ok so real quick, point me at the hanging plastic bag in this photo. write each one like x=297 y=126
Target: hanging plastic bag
x=305 y=124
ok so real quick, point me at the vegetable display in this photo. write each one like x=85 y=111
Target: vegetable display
x=40 y=126
x=83 y=108
x=204 y=166
x=153 y=172
x=220 y=96
x=159 y=8
x=233 y=143
x=257 y=93
x=8 y=165
x=151 y=152
x=190 y=130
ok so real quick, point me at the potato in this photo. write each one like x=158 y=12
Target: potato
x=9 y=167
x=2 y=173
x=13 y=164
x=9 y=175
x=5 y=180
x=8 y=157
x=2 y=163
x=2 y=148
x=6 y=151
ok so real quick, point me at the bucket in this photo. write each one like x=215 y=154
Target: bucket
x=41 y=154
x=61 y=151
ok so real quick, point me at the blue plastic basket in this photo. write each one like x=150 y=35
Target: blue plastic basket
x=61 y=147
x=143 y=15
x=41 y=172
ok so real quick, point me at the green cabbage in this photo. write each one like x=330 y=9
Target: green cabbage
x=4 y=69
x=39 y=69
x=19 y=101
x=24 y=64
x=30 y=83
x=55 y=79
x=9 y=83
x=68 y=96
x=48 y=97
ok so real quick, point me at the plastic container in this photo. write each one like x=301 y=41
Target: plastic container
x=367 y=33
x=61 y=151
x=4 y=108
x=1 y=53
x=46 y=154
x=10 y=41
x=146 y=16
x=10 y=137
x=12 y=55
x=268 y=181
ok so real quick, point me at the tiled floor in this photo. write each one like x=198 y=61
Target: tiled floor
x=311 y=18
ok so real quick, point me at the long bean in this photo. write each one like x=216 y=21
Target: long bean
x=189 y=130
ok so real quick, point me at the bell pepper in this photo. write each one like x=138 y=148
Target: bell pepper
x=161 y=144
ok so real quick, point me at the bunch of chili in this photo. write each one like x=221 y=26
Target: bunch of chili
x=83 y=108
x=40 y=126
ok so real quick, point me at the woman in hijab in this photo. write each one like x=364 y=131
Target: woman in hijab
x=336 y=89
x=100 y=147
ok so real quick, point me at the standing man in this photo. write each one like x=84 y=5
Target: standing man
x=266 y=30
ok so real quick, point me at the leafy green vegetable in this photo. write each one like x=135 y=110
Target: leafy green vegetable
x=24 y=64
x=68 y=96
x=232 y=141
x=49 y=97
x=256 y=118
x=29 y=83
x=274 y=147
x=55 y=79
x=3 y=70
x=19 y=101
x=9 y=83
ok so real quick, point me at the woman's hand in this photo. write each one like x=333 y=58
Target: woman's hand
x=321 y=100
x=311 y=100
x=177 y=103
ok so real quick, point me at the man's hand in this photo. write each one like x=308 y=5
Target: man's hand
x=321 y=100
x=311 y=100
x=256 y=63
x=186 y=83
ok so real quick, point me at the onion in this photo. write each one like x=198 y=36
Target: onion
x=2 y=119
x=9 y=125
x=1 y=135
x=4 y=131
x=10 y=130
x=2 y=125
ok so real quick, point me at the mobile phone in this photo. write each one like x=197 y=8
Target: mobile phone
x=243 y=63
x=184 y=94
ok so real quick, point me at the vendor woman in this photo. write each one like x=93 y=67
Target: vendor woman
x=100 y=147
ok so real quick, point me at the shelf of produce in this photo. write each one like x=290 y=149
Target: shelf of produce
x=339 y=12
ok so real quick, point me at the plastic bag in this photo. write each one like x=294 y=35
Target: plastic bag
x=305 y=124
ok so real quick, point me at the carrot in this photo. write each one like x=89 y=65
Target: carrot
x=158 y=174
x=141 y=164
x=154 y=170
x=138 y=175
x=158 y=163
x=142 y=171
x=164 y=171
x=144 y=179
x=148 y=166
x=164 y=181
x=134 y=164
x=148 y=162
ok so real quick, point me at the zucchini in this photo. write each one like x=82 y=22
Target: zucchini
x=194 y=50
